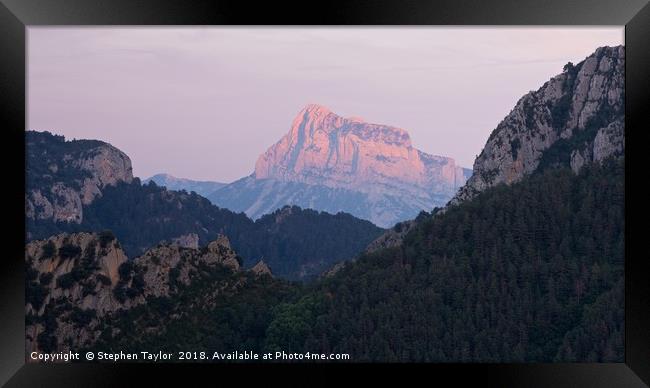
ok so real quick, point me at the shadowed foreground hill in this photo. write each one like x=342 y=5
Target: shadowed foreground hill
x=532 y=272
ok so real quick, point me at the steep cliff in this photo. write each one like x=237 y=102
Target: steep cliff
x=76 y=282
x=323 y=148
x=331 y=163
x=63 y=176
x=575 y=118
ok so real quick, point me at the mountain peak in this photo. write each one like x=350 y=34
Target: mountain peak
x=327 y=150
x=161 y=177
x=74 y=181
x=315 y=109
x=261 y=268
x=575 y=118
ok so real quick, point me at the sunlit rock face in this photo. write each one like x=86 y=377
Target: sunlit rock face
x=323 y=148
x=332 y=163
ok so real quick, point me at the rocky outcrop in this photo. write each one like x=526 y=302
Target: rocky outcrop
x=609 y=141
x=69 y=278
x=76 y=263
x=76 y=281
x=190 y=240
x=392 y=237
x=331 y=163
x=61 y=203
x=63 y=176
x=107 y=166
x=575 y=118
x=323 y=148
x=261 y=268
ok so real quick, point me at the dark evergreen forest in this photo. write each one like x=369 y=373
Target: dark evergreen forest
x=531 y=272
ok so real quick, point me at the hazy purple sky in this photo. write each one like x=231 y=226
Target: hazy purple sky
x=204 y=102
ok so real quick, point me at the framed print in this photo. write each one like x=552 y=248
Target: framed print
x=378 y=187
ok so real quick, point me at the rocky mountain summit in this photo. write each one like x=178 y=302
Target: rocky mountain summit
x=575 y=118
x=63 y=176
x=75 y=282
x=323 y=148
x=332 y=163
x=261 y=268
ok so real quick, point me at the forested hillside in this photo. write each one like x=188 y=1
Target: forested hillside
x=530 y=272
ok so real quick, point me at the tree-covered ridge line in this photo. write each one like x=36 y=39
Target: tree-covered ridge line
x=531 y=272
x=46 y=161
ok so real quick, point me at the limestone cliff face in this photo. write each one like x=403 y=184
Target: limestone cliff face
x=190 y=240
x=63 y=176
x=323 y=148
x=76 y=281
x=69 y=276
x=577 y=117
x=574 y=119
x=107 y=166
x=331 y=163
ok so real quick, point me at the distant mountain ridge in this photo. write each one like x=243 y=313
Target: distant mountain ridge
x=171 y=182
x=331 y=163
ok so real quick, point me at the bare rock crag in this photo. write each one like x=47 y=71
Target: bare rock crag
x=65 y=185
x=75 y=281
x=575 y=118
x=332 y=163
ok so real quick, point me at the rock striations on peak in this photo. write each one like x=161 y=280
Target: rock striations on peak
x=332 y=163
x=323 y=148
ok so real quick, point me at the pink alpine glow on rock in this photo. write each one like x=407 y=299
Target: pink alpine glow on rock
x=326 y=149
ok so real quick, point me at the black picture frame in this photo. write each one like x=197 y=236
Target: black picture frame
x=17 y=15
